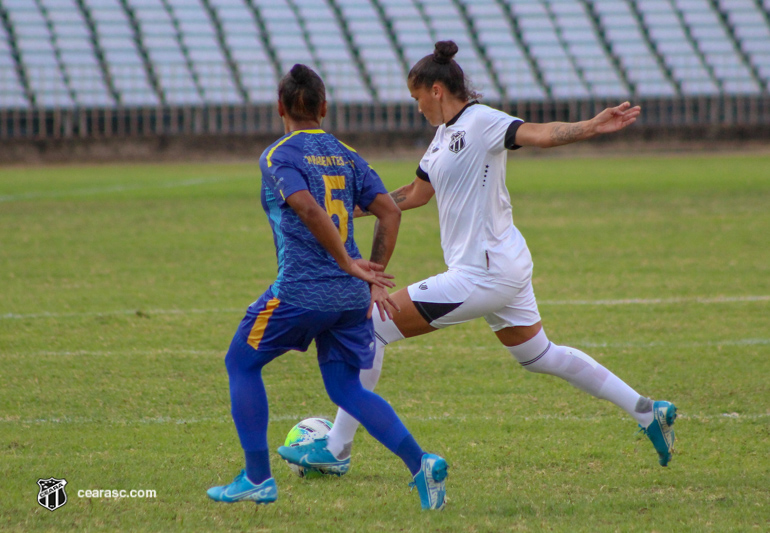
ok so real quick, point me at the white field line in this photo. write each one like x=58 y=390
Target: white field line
x=140 y=312
x=394 y=347
x=79 y=420
x=633 y=301
x=115 y=188
x=661 y=301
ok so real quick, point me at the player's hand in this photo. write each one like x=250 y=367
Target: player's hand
x=358 y=212
x=372 y=273
x=385 y=305
x=615 y=119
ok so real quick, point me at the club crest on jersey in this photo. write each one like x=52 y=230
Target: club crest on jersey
x=51 y=495
x=457 y=141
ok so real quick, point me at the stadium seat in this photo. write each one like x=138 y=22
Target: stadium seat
x=124 y=62
x=376 y=50
x=11 y=90
x=410 y=29
x=96 y=53
x=446 y=23
x=76 y=50
x=540 y=34
x=198 y=38
x=507 y=57
x=720 y=52
x=38 y=54
x=336 y=62
x=581 y=42
x=285 y=33
x=687 y=64
x=161 y=40
x=247 y=50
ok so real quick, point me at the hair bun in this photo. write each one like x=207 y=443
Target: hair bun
x=300 y=74
x=444 y=52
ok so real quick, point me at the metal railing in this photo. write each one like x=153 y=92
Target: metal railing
x=65 y=123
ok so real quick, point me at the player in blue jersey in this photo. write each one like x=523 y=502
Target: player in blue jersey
x=325 y=291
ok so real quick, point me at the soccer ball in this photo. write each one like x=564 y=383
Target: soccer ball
x=304 y=433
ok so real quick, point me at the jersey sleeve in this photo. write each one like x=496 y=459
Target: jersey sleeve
x=371 y=186
x=283 y=178
x=422 y=171
x=495 y=131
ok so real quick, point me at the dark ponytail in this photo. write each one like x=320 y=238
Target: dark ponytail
x=440 y=66
x=302 y=93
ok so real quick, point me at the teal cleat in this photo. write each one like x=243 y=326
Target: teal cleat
x=243 y=490
x=315 y=455
x=660 y=432
x=430 y=481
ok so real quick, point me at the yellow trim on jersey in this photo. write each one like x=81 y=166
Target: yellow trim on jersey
x=346 y=146
x=293 y=133
x=260 y=324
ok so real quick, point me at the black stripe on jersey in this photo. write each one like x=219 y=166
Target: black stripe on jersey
x=422 y=174
x=510 y=135
x=431 y=311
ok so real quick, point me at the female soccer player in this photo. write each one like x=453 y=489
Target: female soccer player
x=489 y=265
x=311 y=183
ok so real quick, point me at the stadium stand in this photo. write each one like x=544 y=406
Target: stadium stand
x=246 y=49
x=12 y=92
x=146 y=57
x=162 y=39
x=115 y=36
x=42 y=60
x=498 y=35
x=376 y=50
x=637 y=55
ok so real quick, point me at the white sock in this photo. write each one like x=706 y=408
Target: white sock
x=542 y=356
x=344 y=429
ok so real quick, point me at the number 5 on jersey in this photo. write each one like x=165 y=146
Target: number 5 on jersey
x=336 y=207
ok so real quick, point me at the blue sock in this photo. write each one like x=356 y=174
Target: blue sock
x=411 y=453
x=248 y=401
x=375 y=414
x=257 y=466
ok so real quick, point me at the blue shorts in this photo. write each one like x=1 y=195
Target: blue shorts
x=271 y=328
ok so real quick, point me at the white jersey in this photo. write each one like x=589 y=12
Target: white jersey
x=466 y=163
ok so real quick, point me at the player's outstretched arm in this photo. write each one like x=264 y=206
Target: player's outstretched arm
x=416 y=194
x=553 y=134
x=321 y=226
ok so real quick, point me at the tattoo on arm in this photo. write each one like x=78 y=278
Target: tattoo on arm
x=567 y=133
x=398 y=195
x=379 y=249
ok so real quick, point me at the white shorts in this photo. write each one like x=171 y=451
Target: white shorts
x=455 y=297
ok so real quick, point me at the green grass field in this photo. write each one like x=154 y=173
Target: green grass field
x=121 y=286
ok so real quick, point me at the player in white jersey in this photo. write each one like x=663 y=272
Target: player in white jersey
x=489 y=265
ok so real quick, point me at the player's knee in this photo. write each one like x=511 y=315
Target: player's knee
x=341 y=391
x=530 y=354
x=370 y=377
x=348 y=397
x=235 y=359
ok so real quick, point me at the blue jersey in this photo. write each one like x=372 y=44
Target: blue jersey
x=338 y=179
